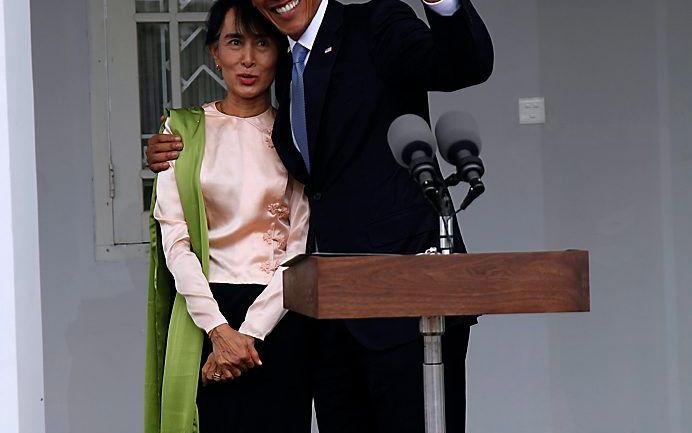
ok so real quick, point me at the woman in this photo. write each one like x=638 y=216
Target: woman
x=229 y=215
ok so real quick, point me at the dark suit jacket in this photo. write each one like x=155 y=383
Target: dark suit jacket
x=371 y=63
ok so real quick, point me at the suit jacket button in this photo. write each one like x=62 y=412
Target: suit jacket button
x=317 y=196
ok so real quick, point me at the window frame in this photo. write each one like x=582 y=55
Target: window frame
x=115 y=118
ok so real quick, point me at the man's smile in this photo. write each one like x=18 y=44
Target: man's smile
x=288 y=7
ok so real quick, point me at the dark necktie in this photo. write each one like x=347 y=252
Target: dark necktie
x=298 y=123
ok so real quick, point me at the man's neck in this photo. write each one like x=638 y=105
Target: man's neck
x=309 y=34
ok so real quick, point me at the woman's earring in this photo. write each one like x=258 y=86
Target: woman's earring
x=218 y=68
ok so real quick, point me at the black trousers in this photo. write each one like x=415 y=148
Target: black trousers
x=274 y=397
x=359 y=390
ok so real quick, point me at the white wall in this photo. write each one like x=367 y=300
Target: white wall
x=94 y=312
x=609 y=172
x=611 y=89
x=21 y=357
x=676 y=183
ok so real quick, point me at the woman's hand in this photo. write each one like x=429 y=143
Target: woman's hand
x=210 y=371
x=234 y=353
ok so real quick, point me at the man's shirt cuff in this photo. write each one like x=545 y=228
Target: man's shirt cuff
x=444 y=7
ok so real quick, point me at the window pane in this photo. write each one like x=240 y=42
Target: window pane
x=154 y=86
x=147 y=176
x=194 y=5
x=147 y=188
x=199 y=79
x=145 y=138
x=151 y=5
x=154 y=75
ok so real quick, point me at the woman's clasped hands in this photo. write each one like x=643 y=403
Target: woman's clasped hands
x=233 y=354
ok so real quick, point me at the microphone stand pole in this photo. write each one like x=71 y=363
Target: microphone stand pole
x=432 y=329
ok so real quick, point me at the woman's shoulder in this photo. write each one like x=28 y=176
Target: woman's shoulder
x=185 y=117
x=192 y=110
x=211 y=108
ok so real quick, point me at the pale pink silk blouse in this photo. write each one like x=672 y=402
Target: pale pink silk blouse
x=256 y=214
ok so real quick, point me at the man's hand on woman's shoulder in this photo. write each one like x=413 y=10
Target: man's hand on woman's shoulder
x=162 y=148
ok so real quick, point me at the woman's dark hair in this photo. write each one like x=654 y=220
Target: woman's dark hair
x=248 y=19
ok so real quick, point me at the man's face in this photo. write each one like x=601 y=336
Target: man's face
x=291 y=17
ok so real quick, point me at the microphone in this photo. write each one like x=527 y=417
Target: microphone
x=413 y=146
x=460 y=144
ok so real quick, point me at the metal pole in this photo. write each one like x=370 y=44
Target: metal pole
x=432 y=329
x=446 y=234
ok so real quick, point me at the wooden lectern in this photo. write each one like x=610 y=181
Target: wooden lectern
x=434 y=286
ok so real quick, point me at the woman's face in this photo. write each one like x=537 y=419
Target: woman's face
x=247 y=61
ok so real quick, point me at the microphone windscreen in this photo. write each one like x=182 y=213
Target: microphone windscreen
x=457 y=131
x=408 y=133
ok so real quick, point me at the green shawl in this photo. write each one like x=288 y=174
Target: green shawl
x=174 y=342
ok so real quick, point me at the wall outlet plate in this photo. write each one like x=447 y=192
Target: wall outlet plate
x=531 y=111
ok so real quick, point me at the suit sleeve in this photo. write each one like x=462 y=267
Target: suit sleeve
x=454 y=52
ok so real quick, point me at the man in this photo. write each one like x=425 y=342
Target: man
x=351 y=71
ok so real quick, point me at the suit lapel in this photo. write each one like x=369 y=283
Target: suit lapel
x=316 y=78
x=319 y=69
